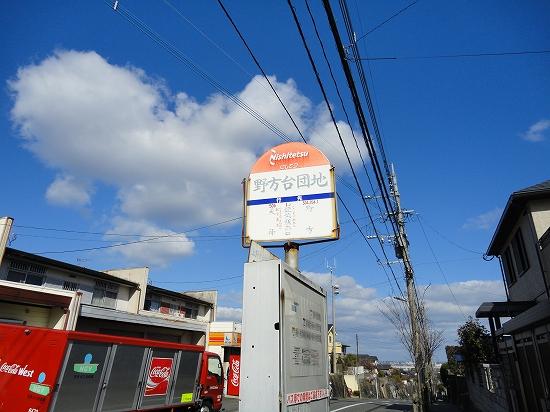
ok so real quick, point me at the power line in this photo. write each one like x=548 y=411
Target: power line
x=374 y=253
x=96 y=248
x=216 y=45
x=362 y=120
x=325 y=97
x=127 y=234
x=400 y=236
x=156 y=37
x=460 y=55
x=175 y=52
x=387 y=20
x=260 y=67
x=189 y=239
x=449 y=240
x=288 y=113
x=327 y=61
x=440 y=268
x=201 y=281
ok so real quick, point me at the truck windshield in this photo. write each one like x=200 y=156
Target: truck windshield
x=215 y=368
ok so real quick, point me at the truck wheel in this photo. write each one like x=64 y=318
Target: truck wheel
x=206 y=407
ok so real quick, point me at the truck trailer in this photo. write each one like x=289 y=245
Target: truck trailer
x=47 y=370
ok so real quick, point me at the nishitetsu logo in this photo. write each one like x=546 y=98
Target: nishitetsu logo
x=158 y=376
x=275 y=157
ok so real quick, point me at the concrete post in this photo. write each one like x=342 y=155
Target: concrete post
x=5 y=230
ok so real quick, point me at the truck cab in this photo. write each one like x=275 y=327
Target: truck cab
x=211 y=383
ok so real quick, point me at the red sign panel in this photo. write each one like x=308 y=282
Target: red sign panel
x=158 y=376
x=234 y=375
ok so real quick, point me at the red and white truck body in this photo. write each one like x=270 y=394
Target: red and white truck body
x=46 y=370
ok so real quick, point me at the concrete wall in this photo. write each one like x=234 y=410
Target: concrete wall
x=540 y=210
x=5 y=229
x=486 y=389
x=206 y=313
x=136 y=297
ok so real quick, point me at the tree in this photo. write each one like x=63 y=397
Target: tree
x=453 y=365
x=475 y=341
x=430 y=339
x=350 y=360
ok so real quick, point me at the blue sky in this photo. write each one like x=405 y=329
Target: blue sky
x=104 y=131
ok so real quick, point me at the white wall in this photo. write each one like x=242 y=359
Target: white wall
x=136 y=298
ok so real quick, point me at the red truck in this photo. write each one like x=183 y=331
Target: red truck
x=46 y=370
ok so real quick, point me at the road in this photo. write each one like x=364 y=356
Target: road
x=347 y=405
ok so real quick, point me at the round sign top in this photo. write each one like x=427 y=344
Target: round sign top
x=292 y=155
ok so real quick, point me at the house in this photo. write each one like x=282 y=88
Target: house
x=337 y=347
x=521 y=243
x=39 y=291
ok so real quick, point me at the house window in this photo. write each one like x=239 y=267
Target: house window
x=520 y=256
x=515 y=259
x=190 y=311
x=105 y=294
x=28 y=273
x=509 y=269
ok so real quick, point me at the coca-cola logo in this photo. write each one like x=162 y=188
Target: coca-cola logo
x=158 y=376
x=235 y=367
x=160 y=372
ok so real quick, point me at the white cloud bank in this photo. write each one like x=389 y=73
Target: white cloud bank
x=536 y=132
x=358 y=311
x=174 y=161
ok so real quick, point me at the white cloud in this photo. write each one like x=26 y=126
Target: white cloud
x=225 y=313
x=68 y=191
x=358 y=311
x=157 y=251
x=535 y=133
x=483 y=221
x=172 y=160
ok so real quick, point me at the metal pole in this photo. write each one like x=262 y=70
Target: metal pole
x=333 y=323
x=357 y=361
x=402 y=251
x=291 y=254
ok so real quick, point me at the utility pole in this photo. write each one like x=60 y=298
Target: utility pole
x=335 y=290
x=402 y=252
x=357 y=361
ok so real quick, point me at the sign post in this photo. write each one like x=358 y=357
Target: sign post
x=290 y=195
x=284 y=348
